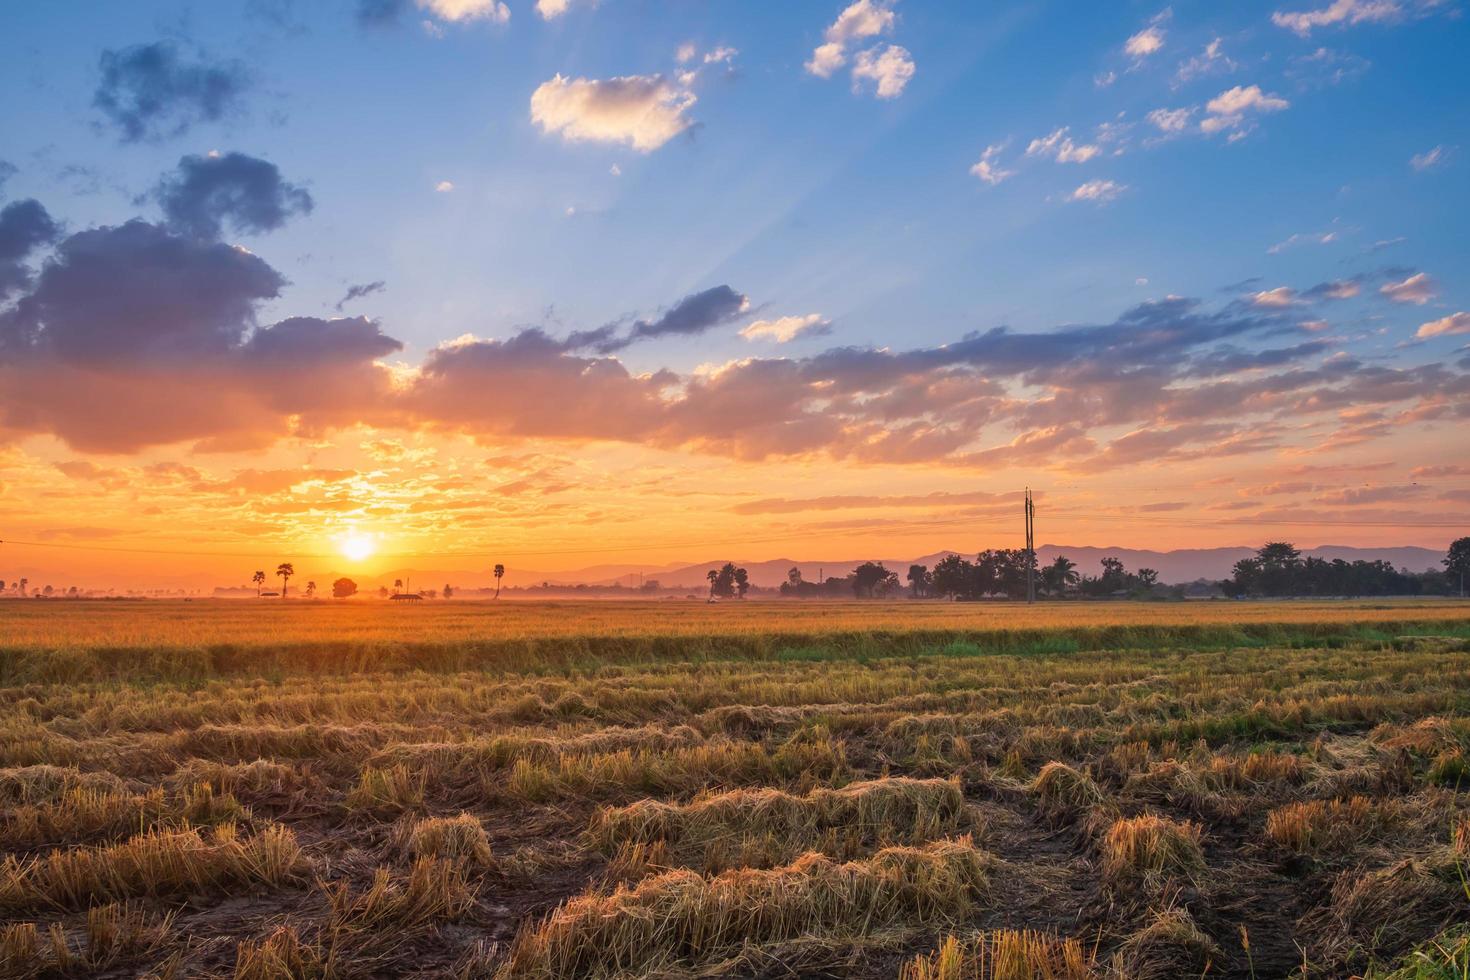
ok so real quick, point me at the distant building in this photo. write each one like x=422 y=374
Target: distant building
x=406 y=597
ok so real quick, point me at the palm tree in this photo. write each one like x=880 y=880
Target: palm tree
x=398 y=585
x=499 y=574
x=23 y=583
x=285 y=570
x=713 y=577
x=1061 y=573
x=259 y=580
x=310 y=589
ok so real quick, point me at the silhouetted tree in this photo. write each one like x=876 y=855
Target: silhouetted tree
x=869 y=577
x=344 y=588
x=448 y=591
x=285 y=570
x=794 y=577
x=919 y=580
x=953 y=577
x=398 y=585
x=714 y=579
x=1457 y=562
x=742 y=582
x=1060 y=575
x=310 y=589
x=1148 y=577
x=259 y=579
x=499 y=574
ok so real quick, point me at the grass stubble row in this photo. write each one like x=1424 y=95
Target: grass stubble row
x=1156 y=812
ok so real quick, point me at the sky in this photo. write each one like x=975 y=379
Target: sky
x=367 y=283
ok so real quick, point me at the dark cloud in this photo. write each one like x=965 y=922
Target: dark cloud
x=148 y=91
x=137 y=290
x=247 y=194
x=360 y=290
x=692 y=315
x=24 y=227
x=134 y=336
x=7 y=171
x=138 y=335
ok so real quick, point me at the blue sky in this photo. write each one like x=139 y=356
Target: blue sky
x=805 y=195
x=1257 y=209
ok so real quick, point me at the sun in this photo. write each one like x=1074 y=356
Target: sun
x=357 y=547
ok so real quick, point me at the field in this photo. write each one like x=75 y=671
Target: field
x=924 y=791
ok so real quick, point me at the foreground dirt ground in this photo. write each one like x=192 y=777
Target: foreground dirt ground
x=1153 y=811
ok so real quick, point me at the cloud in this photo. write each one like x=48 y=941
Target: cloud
x=1339 y=12
x=720 y=55
x=24 y=227
x=1059 y=146
x=786 y=505
x=863 y=19
x=1313 y=238
x=1336 y=289
x=148 y=91
x=207 y=193
x=552 y=9
x=1171 y=120
x=1099 y=191
x=988 y=169
x=643 y=111
x=1325 y=67
x=1211 y=61
x=7 y=171
x=1145 y=42
x=1417 y=289
x=1454 y=325
x=1429 y=159
x=787 y=328
x=359 y=291
x=386 y=13
x=1228 y=109
x=458 y=11
x=444 y=187
x=1275 y=299
x=889 y=67
x=694 y=314
x=133 y=335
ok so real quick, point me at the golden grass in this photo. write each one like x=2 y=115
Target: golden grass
x=460 y=839
x=113 y=935
x=1005 y=954
x=1151 y=848
x=435 y=891
x=1322 y=826
x=155 y=864
x=681 y=918
x=281 y=956
x=696 y=771
x=768 y=826
x=56 y=641
x=1064 y=793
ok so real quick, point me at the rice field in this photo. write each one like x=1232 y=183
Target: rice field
x=922 y=791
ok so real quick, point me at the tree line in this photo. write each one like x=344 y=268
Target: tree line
x=1277 y=569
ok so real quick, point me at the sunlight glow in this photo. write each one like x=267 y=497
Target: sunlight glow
x=358 y=547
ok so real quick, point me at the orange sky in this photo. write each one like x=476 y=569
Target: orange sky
x=447 y=503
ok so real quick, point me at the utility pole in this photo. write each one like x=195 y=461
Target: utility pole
x=1030 y=548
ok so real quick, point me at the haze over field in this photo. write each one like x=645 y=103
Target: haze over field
x=421 y=286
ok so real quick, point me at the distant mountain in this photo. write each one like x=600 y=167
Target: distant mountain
x=1184 y=565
